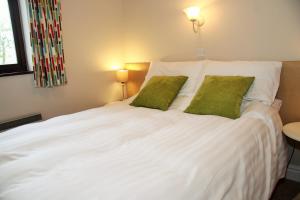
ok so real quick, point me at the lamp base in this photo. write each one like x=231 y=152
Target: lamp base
x=124 y=92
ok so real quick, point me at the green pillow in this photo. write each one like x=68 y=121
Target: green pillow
x=159 y=92
x=220 y=95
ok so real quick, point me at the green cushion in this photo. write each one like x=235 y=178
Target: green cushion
x=159 y=92
x=220 y=95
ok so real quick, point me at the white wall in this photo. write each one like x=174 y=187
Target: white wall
x=234 y=29
x=93 y=43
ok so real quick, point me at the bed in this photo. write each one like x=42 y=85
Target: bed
x=124 y=152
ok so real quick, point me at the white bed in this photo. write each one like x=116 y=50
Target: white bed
x=122 y=152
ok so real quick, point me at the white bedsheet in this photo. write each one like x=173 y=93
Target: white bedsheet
x=121 y=152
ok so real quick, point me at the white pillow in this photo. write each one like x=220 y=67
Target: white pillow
x=192 y=70
x=277 y=104
x=181 y=102
x=267 y=76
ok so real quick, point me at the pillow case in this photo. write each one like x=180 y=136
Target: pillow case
x=159 y=92
x=181 y=102
x=192 y=69
x=277 y=104
x=220 y=95
x=267 y=76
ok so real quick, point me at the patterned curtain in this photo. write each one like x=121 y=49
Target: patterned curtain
x=47 y=43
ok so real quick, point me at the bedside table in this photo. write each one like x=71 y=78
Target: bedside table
x=292 y=130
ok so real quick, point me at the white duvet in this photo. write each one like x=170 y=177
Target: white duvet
x=126 y=153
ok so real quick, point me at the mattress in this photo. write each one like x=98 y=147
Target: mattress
x=121 y=152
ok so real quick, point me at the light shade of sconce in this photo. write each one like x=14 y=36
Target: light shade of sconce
x=122 y=77
x=194 y=15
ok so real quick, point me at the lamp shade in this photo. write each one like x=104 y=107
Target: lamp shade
x=193 y=13
x=122 y=75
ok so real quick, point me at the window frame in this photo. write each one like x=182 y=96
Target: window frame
x=21 y=66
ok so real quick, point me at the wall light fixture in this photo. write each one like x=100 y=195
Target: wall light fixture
x=194 y=15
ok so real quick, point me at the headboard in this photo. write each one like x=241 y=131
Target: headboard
x=289 y=90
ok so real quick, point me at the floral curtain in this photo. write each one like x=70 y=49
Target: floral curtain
x=47 y=43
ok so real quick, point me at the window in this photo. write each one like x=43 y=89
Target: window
x=12 y=51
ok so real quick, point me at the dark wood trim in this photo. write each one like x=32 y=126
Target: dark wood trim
x=20 y=121
x=21 y=65
x=18 y=32
x=16 y=73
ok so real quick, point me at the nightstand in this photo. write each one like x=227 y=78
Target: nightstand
x=292 y=130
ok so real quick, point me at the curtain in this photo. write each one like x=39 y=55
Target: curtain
x=47 y=43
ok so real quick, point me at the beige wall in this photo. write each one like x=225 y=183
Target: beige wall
x=234 y=29
x=93 y=43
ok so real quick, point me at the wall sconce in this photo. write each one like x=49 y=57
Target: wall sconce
x=194 y=15
x=122 y=77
